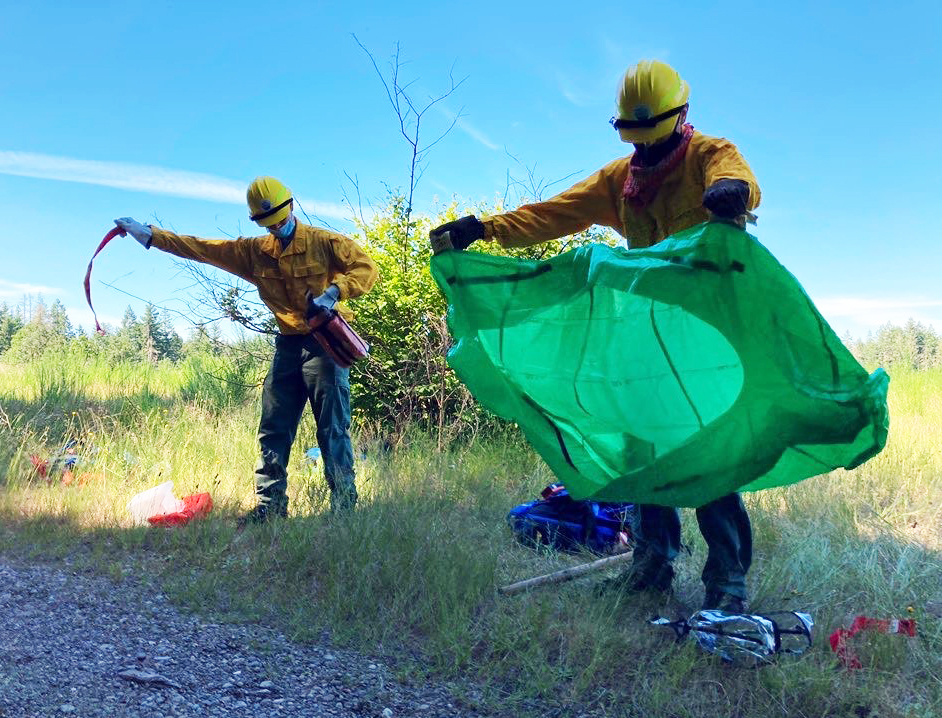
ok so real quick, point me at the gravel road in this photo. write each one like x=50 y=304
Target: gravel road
x=78 y=645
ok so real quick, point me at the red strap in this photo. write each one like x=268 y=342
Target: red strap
x=88 y=274
x=838 y=639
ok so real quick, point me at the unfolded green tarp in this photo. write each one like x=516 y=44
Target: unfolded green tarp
x=670 y=375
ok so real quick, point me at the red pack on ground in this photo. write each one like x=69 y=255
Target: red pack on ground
x=195 y=506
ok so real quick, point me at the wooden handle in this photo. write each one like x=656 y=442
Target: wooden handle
x=566 y=574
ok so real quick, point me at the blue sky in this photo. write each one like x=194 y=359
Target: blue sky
x=167 y=110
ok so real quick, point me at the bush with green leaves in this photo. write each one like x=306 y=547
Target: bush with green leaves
x=406 y=380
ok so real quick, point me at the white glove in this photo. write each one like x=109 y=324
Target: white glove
x=325 y=301
x=140 y=232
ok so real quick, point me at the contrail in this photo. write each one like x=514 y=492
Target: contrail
x=142 y=178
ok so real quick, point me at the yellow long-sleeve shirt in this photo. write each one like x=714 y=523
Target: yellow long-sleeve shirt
x=315 y=259
x=598 y=199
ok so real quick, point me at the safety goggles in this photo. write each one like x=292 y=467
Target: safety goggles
x=622 y=124
x=268 y=213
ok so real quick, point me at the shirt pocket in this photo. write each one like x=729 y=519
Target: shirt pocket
x=271 y=287
x=312 y=276
x=685 y=214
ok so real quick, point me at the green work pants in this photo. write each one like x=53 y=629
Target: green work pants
x=301 y=372
x=726 y=529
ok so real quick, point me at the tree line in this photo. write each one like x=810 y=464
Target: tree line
x=47 y=330
x=914 y=346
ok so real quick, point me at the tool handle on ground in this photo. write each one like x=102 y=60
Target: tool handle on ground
x=441 y=242
x=566 y=574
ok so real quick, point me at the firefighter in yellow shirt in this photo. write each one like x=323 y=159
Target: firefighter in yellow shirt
x=298 y=270
x=675 y=179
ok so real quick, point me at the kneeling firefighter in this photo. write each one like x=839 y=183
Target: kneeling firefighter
x=675 y=179
x=301 y=273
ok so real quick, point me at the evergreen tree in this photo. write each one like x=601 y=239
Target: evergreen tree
x=913 y=346
x=35 y=340
x=201 y=340
x=173 y=348
x=149 y=330
x=10 y=324
x=47 y=331
x=158 y=339
x=58 y=319
x=124 y=344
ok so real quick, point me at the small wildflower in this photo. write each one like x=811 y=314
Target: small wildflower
x=910 y=609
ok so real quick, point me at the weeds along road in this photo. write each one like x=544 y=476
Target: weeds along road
x=73 y=644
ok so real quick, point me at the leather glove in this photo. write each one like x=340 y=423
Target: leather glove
x=322 y=303
x=140 y=232
x=462 y=232
x=726 y=198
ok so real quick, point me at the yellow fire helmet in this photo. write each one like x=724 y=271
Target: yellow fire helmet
x=269 y=201
x=650 y=97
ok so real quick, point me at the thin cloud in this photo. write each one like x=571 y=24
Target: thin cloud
x=18 y=289
x=469 y=129
x=874 y=312
x=855 y=305
x=140 y=178
x=329 y=210
x=476 y=134
x=571 y=90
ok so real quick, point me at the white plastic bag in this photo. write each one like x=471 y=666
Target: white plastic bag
x=153 y=502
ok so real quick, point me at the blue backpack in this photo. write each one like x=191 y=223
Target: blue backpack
x=559 y=521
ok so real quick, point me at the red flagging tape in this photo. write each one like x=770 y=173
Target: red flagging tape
x=838 y=639
x=117 y=231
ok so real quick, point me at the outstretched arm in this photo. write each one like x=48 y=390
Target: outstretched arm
x=594 y=200
x=233 y=256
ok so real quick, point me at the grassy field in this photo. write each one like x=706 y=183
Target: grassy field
x=413 y=574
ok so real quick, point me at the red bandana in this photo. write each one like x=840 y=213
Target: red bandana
x=643 y=182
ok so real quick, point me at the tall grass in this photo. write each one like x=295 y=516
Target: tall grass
x=412 y=574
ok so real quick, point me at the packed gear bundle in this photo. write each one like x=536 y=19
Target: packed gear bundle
x=744 y=637
x=558 y=521
x=673 y=375
x=70 y=464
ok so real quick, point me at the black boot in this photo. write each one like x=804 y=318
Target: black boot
x=262 y=512
x=640 y=579
x=722 y=601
